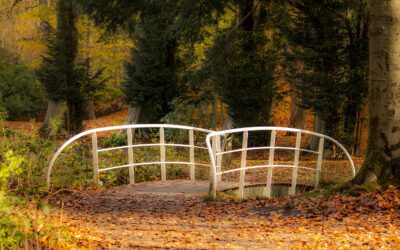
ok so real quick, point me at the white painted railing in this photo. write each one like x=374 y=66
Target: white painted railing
x=131 y=164
x=214 y=148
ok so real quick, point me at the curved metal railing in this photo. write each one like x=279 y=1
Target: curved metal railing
x=213 y=142
x=131 y=164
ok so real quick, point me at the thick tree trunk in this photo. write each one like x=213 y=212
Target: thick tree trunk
x=133 y=115
x=55 y=119
x=361 y=126
x=382 y=164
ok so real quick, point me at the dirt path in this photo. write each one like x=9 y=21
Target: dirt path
x=129 y=218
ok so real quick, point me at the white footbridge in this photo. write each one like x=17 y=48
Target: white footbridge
x=213 y=144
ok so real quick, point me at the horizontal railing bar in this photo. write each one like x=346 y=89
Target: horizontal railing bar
x=259 y=148
x=121 y=127
x=152 y=163
x=150 y=145
x=305 y=132
x=132 y=126
x=250 y=129
x=264 y=166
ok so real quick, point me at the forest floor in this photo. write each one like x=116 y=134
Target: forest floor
x=128 y=217
x=31 y=127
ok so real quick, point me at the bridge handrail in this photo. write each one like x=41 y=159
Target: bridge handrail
x=215 y=153
x=129 y=128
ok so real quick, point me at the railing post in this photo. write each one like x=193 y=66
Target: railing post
x=213 y=179
x=292 y=189
x=214 y=147
x=95 y=160
x=270 y=163
x=319 y=162
x=130 y=156
x=162 y=155
x=192 y=164
x=243 y=163
x=218 y=157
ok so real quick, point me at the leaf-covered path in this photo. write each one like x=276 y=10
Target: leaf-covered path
x=124 y=218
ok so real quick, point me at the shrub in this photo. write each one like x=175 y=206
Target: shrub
x=21 y=95
x=115 y=140
x=10 y=235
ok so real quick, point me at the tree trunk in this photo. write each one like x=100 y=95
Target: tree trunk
x=382 y=163
x=91 y=110
x=75 y=116
x=297 y=113
x=133 y=117
x=357 y=135
x=67 y=34
x=43 y=25
x=227 y=141
x=54 y=121
x=319 y=127
x=358 y=148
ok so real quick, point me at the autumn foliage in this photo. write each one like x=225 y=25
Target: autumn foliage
x=119 y=218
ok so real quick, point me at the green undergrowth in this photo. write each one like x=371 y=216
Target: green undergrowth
x=25 y=160
x=25 y=223
x=24 y=219
x=74 y=169
x=146 y=154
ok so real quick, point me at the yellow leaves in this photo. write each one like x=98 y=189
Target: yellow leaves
x=302 y=230
x=19 y=27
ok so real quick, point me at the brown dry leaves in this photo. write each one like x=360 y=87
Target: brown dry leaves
x=338 y=206
x=122 y=219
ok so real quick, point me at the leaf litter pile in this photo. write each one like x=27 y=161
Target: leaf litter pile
x=120 y=218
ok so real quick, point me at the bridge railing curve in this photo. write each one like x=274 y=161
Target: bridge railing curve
x=213 y=141
x=131 y=164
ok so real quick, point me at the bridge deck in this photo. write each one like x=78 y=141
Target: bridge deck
x=174 y=187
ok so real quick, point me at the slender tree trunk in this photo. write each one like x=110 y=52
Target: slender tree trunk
x=382 y=163
x=91 y=110
x=227 y=141
x=297 y=113
x=67 y=33
x=357 y=135
x=319 y=127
